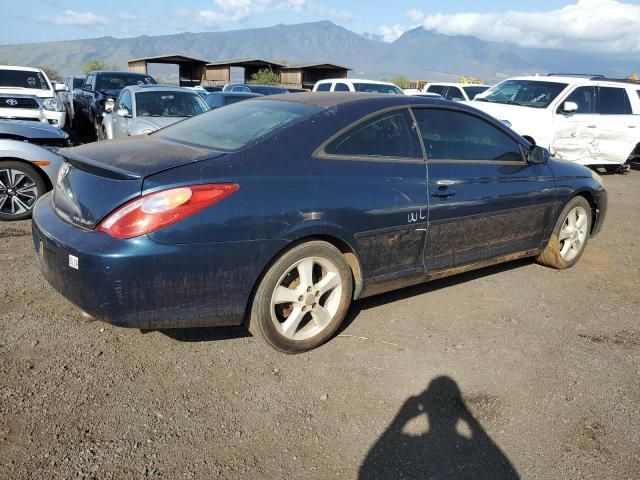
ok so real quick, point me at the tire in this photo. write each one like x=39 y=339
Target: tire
x=314 y=309
x=570 y=236
x=21 y=186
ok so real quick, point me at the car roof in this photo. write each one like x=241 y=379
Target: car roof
x=575 y=80
x=326 y=100
x=163 y=88
x=17 y=67
x=458 y=84
x=118 y=72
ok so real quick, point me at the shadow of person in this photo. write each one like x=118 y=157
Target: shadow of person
x=455 y=446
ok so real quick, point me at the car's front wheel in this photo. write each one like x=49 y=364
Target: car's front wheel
x=570 y=235
x=20 y=186
x=303 y=298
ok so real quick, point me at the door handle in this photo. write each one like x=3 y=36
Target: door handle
x=442 y=194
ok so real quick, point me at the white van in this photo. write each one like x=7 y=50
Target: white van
x=590 y=120
x=356 y=85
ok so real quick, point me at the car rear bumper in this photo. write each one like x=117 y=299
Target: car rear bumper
x=144 y=284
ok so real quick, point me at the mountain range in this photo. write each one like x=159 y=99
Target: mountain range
x=417 y=54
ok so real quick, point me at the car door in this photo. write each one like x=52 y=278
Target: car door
x=85 y=97
x=485 y=199
x=619 y=127
x=576 y=135
x=383 y=172
x=121 y=122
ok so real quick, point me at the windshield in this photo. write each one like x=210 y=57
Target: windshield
x=22 y=79
x=169 y=104
x=235 y=126
x=474 y=90
x=377 y=88
x=117 y=81
x=527 y=93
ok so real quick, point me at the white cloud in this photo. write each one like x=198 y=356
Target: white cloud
x=234 y=11
x=391 y=33
x=80 y=19
x=587 y=25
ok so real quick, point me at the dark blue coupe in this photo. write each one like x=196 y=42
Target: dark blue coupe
x=279 y=211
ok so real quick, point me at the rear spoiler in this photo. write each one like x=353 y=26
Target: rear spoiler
x=96 y=168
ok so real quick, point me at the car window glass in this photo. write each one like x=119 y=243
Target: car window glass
x=377 y=88
x=584 y=97
x=125 y=101
x=23 y=79
x=386 y=135
x=169 y=104
x=341 y=87
x=613 y=101
x=472 y=91
x=78 y=82
x=117 y=80
x=323 y=87
x=454 y=135
x=527 y=93
x=439 y=89
x=89 y=82
x=454 y=93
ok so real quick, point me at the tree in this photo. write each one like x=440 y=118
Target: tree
x=51 y=73
x=265 y=76
x=402 y=82
x=97 y=64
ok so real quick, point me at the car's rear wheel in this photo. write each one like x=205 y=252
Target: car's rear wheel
x=303 y=298
x=20 y=186
x=570 y=235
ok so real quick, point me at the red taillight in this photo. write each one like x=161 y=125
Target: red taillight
x=153 y=211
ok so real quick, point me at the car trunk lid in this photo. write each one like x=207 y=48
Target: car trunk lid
x=97 y=178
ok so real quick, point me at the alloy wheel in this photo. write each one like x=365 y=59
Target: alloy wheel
x=18 y=192
x=573 y=233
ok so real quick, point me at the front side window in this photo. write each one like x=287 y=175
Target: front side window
x=585 y=98
x=526 y=93
x=233 y=127
x=23 y=79
x=323 y=87
x=613 y=101
x=89 y=82
x=455 y=94
x=117 y=81
x=169 y=104
x=455 y=135
x=439 y=89
x=341 y=87
x=387 y=135
x=78 y=82
x=377 y=88
x=124 y=103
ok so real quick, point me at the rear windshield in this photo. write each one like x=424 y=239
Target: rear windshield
x=235 y=126
x=376 y=88
x=22 y=79
x=117 y=81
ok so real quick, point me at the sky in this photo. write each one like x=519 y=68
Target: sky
x=587 y=25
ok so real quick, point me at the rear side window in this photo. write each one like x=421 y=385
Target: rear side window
x=454 y=93
x=235 y=126
x=341 y=87
x=323 y=87
x=455 y=135
x=377 y=88
x=439 y=89
x=613 y=101
x=584 y=97
x=387 y=135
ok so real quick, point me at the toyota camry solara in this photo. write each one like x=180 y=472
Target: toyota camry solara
x=279 y=212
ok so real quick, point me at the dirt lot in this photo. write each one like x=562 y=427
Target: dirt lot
x=513 y=371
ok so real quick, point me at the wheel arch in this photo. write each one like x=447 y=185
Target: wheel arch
x=347 y=250
x=589 y=196
x=43 y=175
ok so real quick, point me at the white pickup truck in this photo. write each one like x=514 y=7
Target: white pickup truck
x=589 y=120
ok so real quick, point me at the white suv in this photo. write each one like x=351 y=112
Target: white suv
x=33 y=81
x=356 y=85
x=458 y=92
x=589 y=120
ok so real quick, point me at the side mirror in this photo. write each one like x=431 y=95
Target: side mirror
x=123 y=112
x=538 y=155
x=570 y=107
x=109 y=105
x=60 y=87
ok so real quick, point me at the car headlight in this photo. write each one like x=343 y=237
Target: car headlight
x=53 y=105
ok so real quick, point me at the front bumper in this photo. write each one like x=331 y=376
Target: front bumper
x=601 y=212
x=23 y=114
x=144 y=284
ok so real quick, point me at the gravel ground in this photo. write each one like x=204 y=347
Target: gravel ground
x=512 y=371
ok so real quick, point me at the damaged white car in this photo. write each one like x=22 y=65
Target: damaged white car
x=590 y=120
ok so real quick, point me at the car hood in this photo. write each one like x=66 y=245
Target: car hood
x=135 y=157
x=27 y=91
x=31 y=130
x=114 y=92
